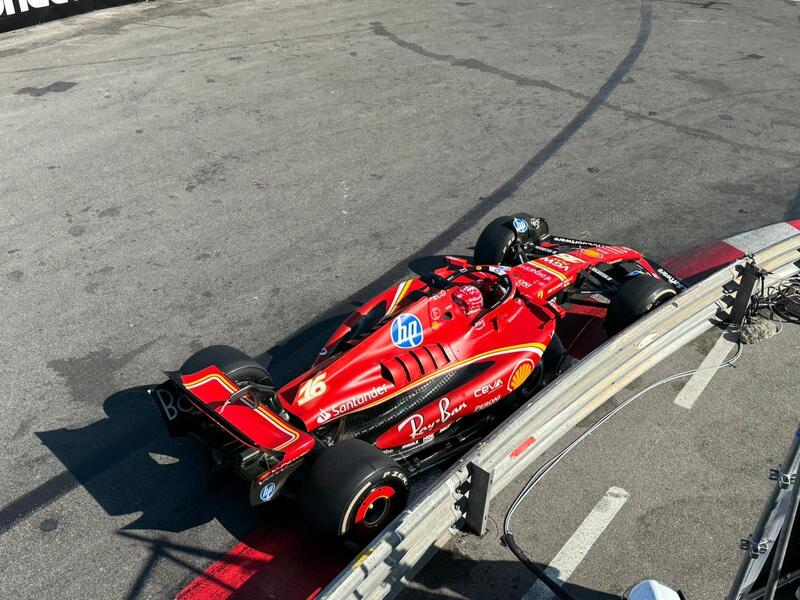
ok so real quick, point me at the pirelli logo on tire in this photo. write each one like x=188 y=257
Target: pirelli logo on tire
x=397 y=475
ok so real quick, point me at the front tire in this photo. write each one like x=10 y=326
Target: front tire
x=635 y=298
x=500 y=241
x=353 y=490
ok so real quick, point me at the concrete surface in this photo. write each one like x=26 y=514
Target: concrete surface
x=696 y=482
x=183 y=173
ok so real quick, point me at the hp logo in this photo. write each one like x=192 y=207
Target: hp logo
x=267 y=492
x=406 y=331
x=521 y=225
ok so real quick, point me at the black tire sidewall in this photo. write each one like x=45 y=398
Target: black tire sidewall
x=396 y=505
x=237 y=365
x=338 y=481
x=497 y=238
x=494 y=243
x=635 y=298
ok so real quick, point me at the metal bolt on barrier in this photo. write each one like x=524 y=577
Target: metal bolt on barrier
x=784 y=479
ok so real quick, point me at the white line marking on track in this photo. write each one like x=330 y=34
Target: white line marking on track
x=577 y=546
x=698 y=382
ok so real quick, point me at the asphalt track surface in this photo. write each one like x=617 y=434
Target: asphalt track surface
x=177 y=174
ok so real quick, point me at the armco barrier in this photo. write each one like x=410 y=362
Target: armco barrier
x=402 y=548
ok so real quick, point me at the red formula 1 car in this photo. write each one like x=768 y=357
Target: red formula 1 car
x=410 y=379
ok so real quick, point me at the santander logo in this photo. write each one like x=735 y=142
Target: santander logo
x=352 y=403
x=324 y=416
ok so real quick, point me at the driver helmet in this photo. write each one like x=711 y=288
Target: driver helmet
x=468 y=298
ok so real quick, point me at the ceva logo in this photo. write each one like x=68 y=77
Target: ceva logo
x=7 y=7
x=406 y=331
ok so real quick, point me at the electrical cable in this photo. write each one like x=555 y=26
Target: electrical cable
x=508 y=536
x=781 y=300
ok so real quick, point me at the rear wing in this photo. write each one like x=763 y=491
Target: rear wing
x=217 y=397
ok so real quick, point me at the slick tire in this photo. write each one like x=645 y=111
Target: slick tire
x=237 y=365
x=353 y=491
x=635 y=298
x=497 y=243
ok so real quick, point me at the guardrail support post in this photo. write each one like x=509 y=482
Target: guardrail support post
x=480 y=492
x=750 y=275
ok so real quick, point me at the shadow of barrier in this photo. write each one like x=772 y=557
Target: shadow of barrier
x=392 y=558
x=15 y=14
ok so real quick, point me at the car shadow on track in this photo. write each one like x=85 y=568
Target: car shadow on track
x=453 y=575
x=129 y=464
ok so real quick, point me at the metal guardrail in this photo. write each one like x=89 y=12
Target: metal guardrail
x=759 y=558
x=382 y=569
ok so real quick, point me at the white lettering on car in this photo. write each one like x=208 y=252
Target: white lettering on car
x=416 y=422
x=352 y=403
x=488 y=388
x=670 y=278
x=488 y=403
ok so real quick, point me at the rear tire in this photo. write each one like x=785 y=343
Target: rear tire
x=237 y=365
x=353 y=490
x=635 y=298
x=241 y=369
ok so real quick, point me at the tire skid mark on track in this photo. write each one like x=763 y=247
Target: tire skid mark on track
x=528 y=170
x=190 y=52
x=471 y=63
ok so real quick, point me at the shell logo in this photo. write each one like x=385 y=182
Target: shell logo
x=593 y=253
x=520 y=373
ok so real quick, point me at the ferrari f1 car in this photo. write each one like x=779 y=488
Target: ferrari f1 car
x=410 y=379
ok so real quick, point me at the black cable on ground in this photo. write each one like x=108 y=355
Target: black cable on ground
x=553 y=586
